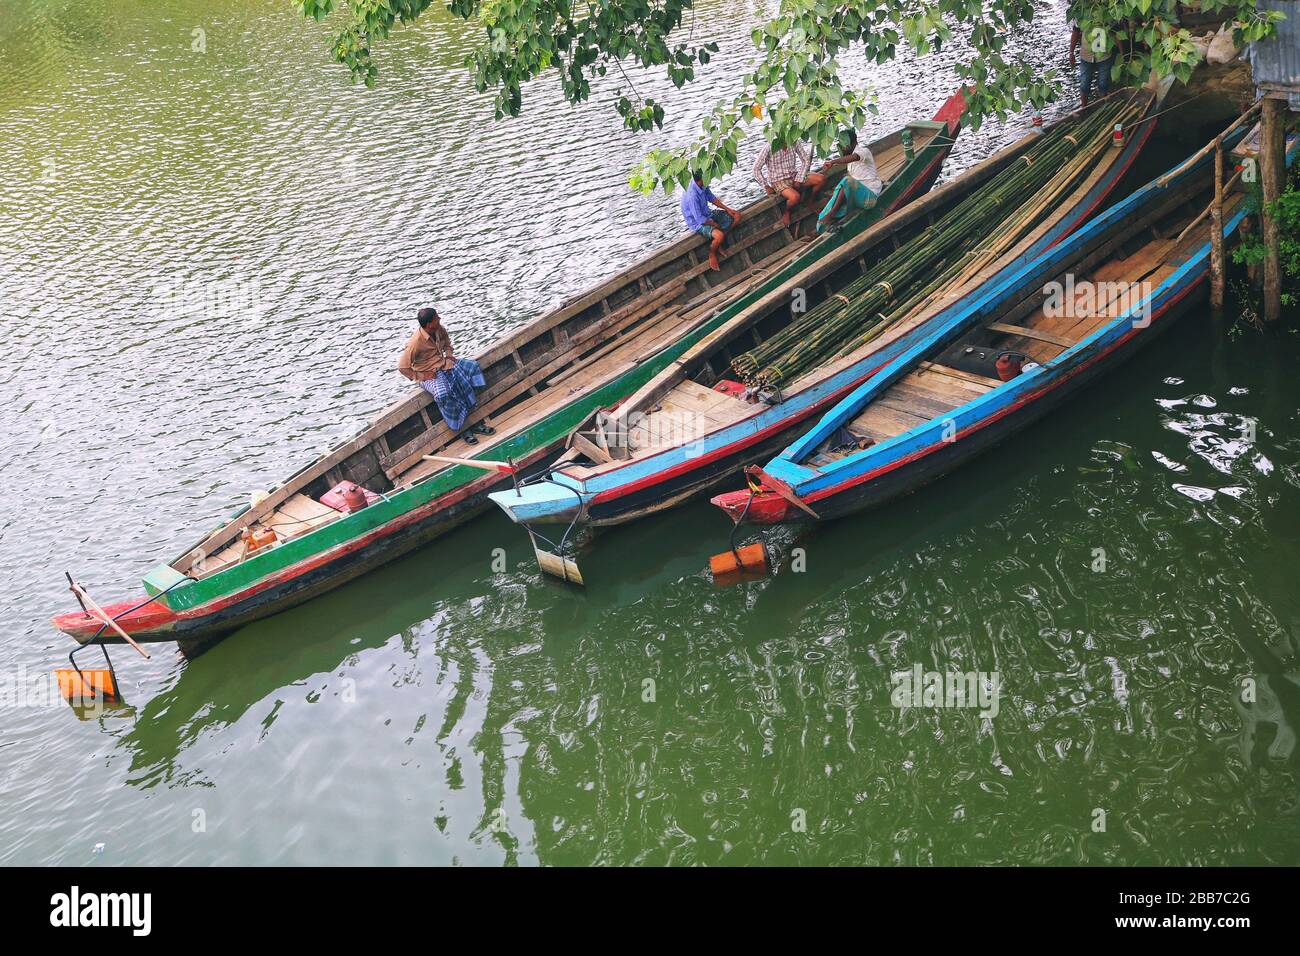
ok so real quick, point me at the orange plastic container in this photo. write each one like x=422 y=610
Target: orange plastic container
x=259 y=538
x=753 y=561
x=1008 y=366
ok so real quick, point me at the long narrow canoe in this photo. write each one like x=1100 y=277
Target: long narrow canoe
x=1075 y=312
x=541 y=382
x=687 y=429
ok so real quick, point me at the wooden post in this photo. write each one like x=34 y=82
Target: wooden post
x=1272 y=171
x=1216 y=232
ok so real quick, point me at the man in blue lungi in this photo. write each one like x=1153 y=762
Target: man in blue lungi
x=429 y=360
x=861 y=185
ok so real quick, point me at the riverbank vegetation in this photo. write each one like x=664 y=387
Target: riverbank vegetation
x=1251 y=251
x=794 y=82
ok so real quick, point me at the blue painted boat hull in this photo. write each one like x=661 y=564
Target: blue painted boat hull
x=922 y=453
x=947 y=457
x=664 y=480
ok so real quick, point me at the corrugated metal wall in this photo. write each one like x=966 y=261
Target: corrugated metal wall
x=1276 y=61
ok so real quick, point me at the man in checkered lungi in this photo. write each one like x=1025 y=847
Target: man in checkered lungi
x=429 y=360
x=786 y=173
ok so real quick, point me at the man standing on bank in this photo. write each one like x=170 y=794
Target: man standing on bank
x=713 y=226
x=428 y=359
x=1096 y=57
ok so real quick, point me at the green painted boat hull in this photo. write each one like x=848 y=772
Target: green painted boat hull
x=278 y=578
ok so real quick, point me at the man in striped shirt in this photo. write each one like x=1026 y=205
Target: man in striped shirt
x=785 y=172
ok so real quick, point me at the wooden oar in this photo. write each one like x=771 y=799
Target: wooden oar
x=99 y=613
x=486 y=464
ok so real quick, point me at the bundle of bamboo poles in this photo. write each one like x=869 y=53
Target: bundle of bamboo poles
x=952 y=251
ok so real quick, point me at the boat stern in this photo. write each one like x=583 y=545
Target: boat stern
x=755 y=507
x=550 y=501
x=153 y=622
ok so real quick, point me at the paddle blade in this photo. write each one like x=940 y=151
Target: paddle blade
x=746 y=563
x=566 y=569
x=84 y=687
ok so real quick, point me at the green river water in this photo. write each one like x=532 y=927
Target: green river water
x=211 y=253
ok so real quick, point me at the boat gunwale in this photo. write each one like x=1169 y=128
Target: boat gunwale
x=678 y=249
x=1165 y=192
x=587 y=479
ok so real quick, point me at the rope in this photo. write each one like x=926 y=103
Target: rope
x=736 y=527
x=99 y=635
x=1167 y=109
x=548 y=477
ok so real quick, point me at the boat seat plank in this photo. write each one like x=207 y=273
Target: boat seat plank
x=293 y=518
x=299 y=515
x=951 y=389
x=970 y=378
x=882 y=420
x=1026 y=332
x=915 y=402
x=706 y=399
x=922 y=388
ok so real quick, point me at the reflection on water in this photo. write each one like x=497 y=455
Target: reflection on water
x=210 y=262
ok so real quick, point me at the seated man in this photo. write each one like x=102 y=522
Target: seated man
x=785 y=172
x=860 y=187
x=428 y=359
x=713 y=226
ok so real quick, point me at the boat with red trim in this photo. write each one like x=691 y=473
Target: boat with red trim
x=693 y=425
x=1062 y=320
x=397 y=485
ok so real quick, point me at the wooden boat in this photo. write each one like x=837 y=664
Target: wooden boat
x=541 y=381
x=1077 y=311
x=680 y=435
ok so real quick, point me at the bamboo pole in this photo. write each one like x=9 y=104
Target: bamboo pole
x=1187 y=229
x=1272 y=164
x=962 y=241
x=1216 y=231
x=1196 y=156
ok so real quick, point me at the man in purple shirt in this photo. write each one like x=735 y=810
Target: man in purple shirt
x=713 y=226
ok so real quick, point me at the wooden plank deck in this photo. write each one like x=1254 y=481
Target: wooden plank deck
x=932 y=390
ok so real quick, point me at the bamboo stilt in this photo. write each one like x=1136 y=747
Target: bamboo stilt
x=1272 y=166
x=1216 y=232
